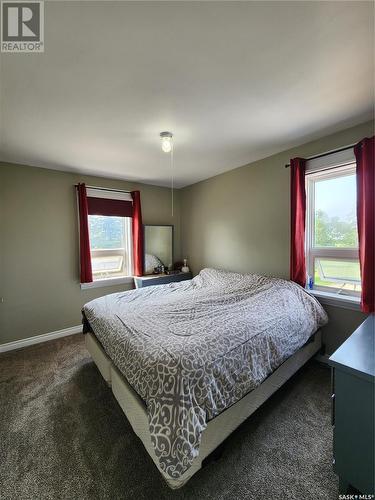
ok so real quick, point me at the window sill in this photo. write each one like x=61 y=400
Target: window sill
x=108 y=282
x=337 y=300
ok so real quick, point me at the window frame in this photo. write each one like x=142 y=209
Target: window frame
x=126 y=252
x=312 y=251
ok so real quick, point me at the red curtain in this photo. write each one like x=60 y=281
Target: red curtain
x=365 y=152
x=137 y=234
x=84 y=239
x=110 y=208
x=298 y=216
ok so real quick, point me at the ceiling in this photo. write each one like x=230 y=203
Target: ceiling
x=234 y=82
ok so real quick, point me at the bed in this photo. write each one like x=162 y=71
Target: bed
x=188 y=362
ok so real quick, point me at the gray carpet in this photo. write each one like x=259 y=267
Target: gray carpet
x=63 y=436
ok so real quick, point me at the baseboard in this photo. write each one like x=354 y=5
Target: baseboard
x=37 y=339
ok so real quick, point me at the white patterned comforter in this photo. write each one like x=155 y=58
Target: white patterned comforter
x=194 y=348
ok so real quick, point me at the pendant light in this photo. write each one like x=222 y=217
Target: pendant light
x=167 y=147
x=166 y=141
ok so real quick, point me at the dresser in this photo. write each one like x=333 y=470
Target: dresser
x=353 y=368
x=160 y=279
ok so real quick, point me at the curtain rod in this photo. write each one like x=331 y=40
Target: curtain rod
x=107 y=189
x=327 y=153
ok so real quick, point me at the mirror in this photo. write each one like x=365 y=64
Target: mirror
x=158 y=247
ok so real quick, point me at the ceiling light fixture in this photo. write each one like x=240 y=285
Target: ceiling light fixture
x=166 y=141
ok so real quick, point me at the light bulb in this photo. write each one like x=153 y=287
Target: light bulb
x=166 y=142
x=166 y=145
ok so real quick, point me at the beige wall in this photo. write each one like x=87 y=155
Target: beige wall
x=39 y=270
x=239 y=220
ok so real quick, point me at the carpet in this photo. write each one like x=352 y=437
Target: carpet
x=63 y=436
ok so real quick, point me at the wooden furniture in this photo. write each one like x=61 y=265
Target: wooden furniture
x=160 y=279
x=353 y=372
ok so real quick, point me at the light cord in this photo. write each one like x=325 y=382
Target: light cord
x=172 y=178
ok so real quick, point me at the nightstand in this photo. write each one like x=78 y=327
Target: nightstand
x=160 y=279
x=353 y=372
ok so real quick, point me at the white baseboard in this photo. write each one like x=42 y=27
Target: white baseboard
x=37 y=339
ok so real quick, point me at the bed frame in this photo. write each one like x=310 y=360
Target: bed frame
x=219 y=428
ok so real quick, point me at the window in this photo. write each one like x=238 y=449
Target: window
x=110 y=234
x=331 y=235
x=110 y=245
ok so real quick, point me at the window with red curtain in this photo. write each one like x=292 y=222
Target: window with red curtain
x=333 y=222
x=113 y=239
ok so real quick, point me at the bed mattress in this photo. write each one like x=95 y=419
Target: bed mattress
x=193 y=349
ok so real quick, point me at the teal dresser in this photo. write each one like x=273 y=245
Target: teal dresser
x=353 y=368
